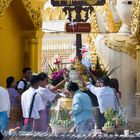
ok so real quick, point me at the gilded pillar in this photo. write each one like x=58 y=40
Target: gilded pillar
x=33 y=54
x=39 y=35
x=26 y=58
x=33 y=49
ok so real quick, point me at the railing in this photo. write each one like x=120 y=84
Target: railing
x=68 y=136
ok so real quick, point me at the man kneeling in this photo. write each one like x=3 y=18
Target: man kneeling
x=82 y=111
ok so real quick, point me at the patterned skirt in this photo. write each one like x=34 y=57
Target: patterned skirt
x=15 y=114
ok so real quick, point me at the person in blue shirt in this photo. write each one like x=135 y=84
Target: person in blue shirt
x=82 y=112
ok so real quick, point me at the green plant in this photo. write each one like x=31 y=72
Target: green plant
x=64 y=114
x=113 y=120
x=63 y=123
x=109 y=124
x=109 y=114
x=119 y=120
x=63 y=119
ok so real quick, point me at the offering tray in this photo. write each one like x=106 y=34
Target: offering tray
x=118 y=130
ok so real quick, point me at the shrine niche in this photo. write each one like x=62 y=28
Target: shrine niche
x=20 y=30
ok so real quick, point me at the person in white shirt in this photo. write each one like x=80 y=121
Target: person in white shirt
x=24 y=83
x=4 y=108
x=38 y=105
x=48 y=96
x=105 y=95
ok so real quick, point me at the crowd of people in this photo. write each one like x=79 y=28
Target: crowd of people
x=26 y=103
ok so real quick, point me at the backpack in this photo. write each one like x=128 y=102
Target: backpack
x=26 y=86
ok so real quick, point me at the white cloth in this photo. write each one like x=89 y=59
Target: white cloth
x=21 y=84
x=46 y=95
x=105 y=96
x=4 y=100
x=26 y=99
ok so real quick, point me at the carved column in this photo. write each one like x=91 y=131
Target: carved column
x=138 y=69
x=33 y=54
x=33 y=49
x=135 y=122
x=138 y=82
x=26 y=58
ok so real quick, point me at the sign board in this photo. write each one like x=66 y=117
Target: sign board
x=77 y=2
x=78 y=27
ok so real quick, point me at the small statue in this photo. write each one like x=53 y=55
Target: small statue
x=76 y=70
x=81 y=69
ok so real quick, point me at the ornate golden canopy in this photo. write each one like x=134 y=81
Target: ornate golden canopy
x=34 y=14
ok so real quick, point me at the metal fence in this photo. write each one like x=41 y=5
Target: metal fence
x=57 y=50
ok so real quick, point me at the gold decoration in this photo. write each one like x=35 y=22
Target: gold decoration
x=91 y=37
x=112 y=26
x=135 y=24
x=3 y=6
x=69 y=2
x=92 y=2
x=82 y=13
x=121 y=43
x=78 y=66
x=48 y=14
x=34 y=14
x=73 y=14
x=56 y=14
x=80 y=69
x=117 y=42
x=63 y=15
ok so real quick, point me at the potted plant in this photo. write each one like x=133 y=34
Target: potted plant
x=62 y=122
x=114 y=122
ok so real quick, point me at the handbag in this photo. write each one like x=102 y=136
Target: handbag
x=29 y=126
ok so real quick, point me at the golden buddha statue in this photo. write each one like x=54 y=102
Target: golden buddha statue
x=81 y=70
